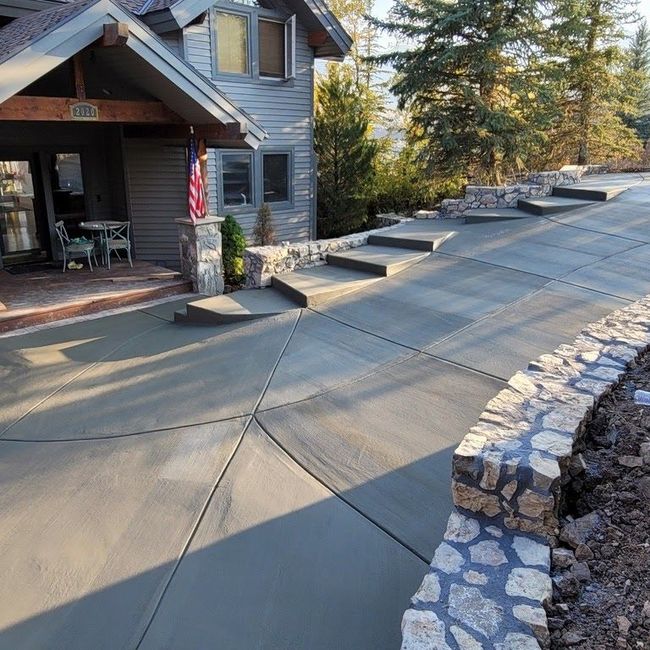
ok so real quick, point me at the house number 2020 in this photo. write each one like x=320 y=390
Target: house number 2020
x=84 y=111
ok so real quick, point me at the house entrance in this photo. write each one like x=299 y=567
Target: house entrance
x=23 y=224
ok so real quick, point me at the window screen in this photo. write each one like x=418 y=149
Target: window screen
x=272 y=43
x=276 y=177
x=232 y=42
x=236 y=178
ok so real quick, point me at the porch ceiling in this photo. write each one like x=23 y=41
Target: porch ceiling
x=44 y=40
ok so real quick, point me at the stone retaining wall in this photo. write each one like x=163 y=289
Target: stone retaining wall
x=261 y=263
x=490 y=577
x=507 y=196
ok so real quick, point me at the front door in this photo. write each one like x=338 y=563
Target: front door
x=23 y=227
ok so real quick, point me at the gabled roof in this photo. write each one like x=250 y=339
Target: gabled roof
x=165 y=15
x=34 y=44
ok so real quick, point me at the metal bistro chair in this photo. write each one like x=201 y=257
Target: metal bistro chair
x=117 y=237
x=72 y=250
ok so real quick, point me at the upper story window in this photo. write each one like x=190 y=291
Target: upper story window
x=254 y=41
x=272 y=49
x=232 y=42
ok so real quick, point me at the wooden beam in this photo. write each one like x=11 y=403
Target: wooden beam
x=115 y=35
x=79 y=83
x=57 y=109
x=316 y=39
x=209 y=132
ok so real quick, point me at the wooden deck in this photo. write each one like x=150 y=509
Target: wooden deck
x=44 y=296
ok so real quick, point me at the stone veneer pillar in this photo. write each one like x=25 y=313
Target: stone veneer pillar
x=201 y=258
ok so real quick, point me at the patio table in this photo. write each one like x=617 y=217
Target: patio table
x=98 y=226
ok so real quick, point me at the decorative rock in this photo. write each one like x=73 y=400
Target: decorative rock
x=509 y=490
x=630 y=461
x=545 y=470
x=429 y=591
x=461 y=529
x=491 y=469
x=516 y=641
x=494 y=531
x=467 y=605
x=422 y=630
x=471 y=498
x=488 y=553
x=529 y=583
x=580 y=570
x=530 y=552
x=535 y=618
x=563 y=558
x=624 y=625
x=583 y=552
x=465 y=640
x=552 y=443
x=578 y=531
x=475 y=578
x=535 y=505
x=447 y=559
x=642 y=397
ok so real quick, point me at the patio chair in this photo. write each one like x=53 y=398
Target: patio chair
x=72 y=250
x=117 y=238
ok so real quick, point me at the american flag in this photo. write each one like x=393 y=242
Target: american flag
x=195 y=192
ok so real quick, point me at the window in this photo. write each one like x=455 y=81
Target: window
x=276 y=177
x=272 y=48
x=236 y=179
x=232 y=42
x=254 y=41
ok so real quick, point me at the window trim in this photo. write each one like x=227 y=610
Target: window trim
x=237 y=209
x=279 y=206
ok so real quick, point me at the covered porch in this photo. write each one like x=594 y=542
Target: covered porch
x=94 y=127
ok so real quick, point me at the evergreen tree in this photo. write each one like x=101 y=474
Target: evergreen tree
x=264 y=232
x=639 y=66
x=473 y=83
x=345 y=153
x=585 y=42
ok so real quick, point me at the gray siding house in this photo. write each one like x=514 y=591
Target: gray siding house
x=96 y=102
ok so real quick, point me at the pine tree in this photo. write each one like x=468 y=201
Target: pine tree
x=264 y=232
x=639 y=73
x=473 y=83
x=585 y=40
x=345 y=153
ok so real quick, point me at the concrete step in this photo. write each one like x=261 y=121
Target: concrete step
x=551 y=205
x=590 y=192
x=311 y=287
x=488 y=215
x=419 y=236
x=247 y=304
x=380 y=260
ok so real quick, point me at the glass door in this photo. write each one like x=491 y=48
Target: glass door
x=19 y=231
x=68 y=192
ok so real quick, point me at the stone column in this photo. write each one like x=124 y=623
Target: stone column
x=200 y=248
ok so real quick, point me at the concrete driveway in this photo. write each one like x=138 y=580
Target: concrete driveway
x=279 y=484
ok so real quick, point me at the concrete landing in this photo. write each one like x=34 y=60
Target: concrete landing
x=311 y=287
x=551 y=205
x=239 y=306
x=483 y=215
x=590 y=192
x=416 y=236
x=380 y=260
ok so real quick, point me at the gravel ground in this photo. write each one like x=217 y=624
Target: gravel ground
x=601 y=570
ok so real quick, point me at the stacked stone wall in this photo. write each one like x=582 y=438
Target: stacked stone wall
x=261 y=263
x=490 y=577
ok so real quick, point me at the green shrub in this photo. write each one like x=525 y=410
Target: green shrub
x=233 y=244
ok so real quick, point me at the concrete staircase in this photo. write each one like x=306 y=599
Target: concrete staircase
x=563 y=199
x=344 y=273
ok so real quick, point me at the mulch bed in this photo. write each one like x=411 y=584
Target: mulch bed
x=601 y=570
